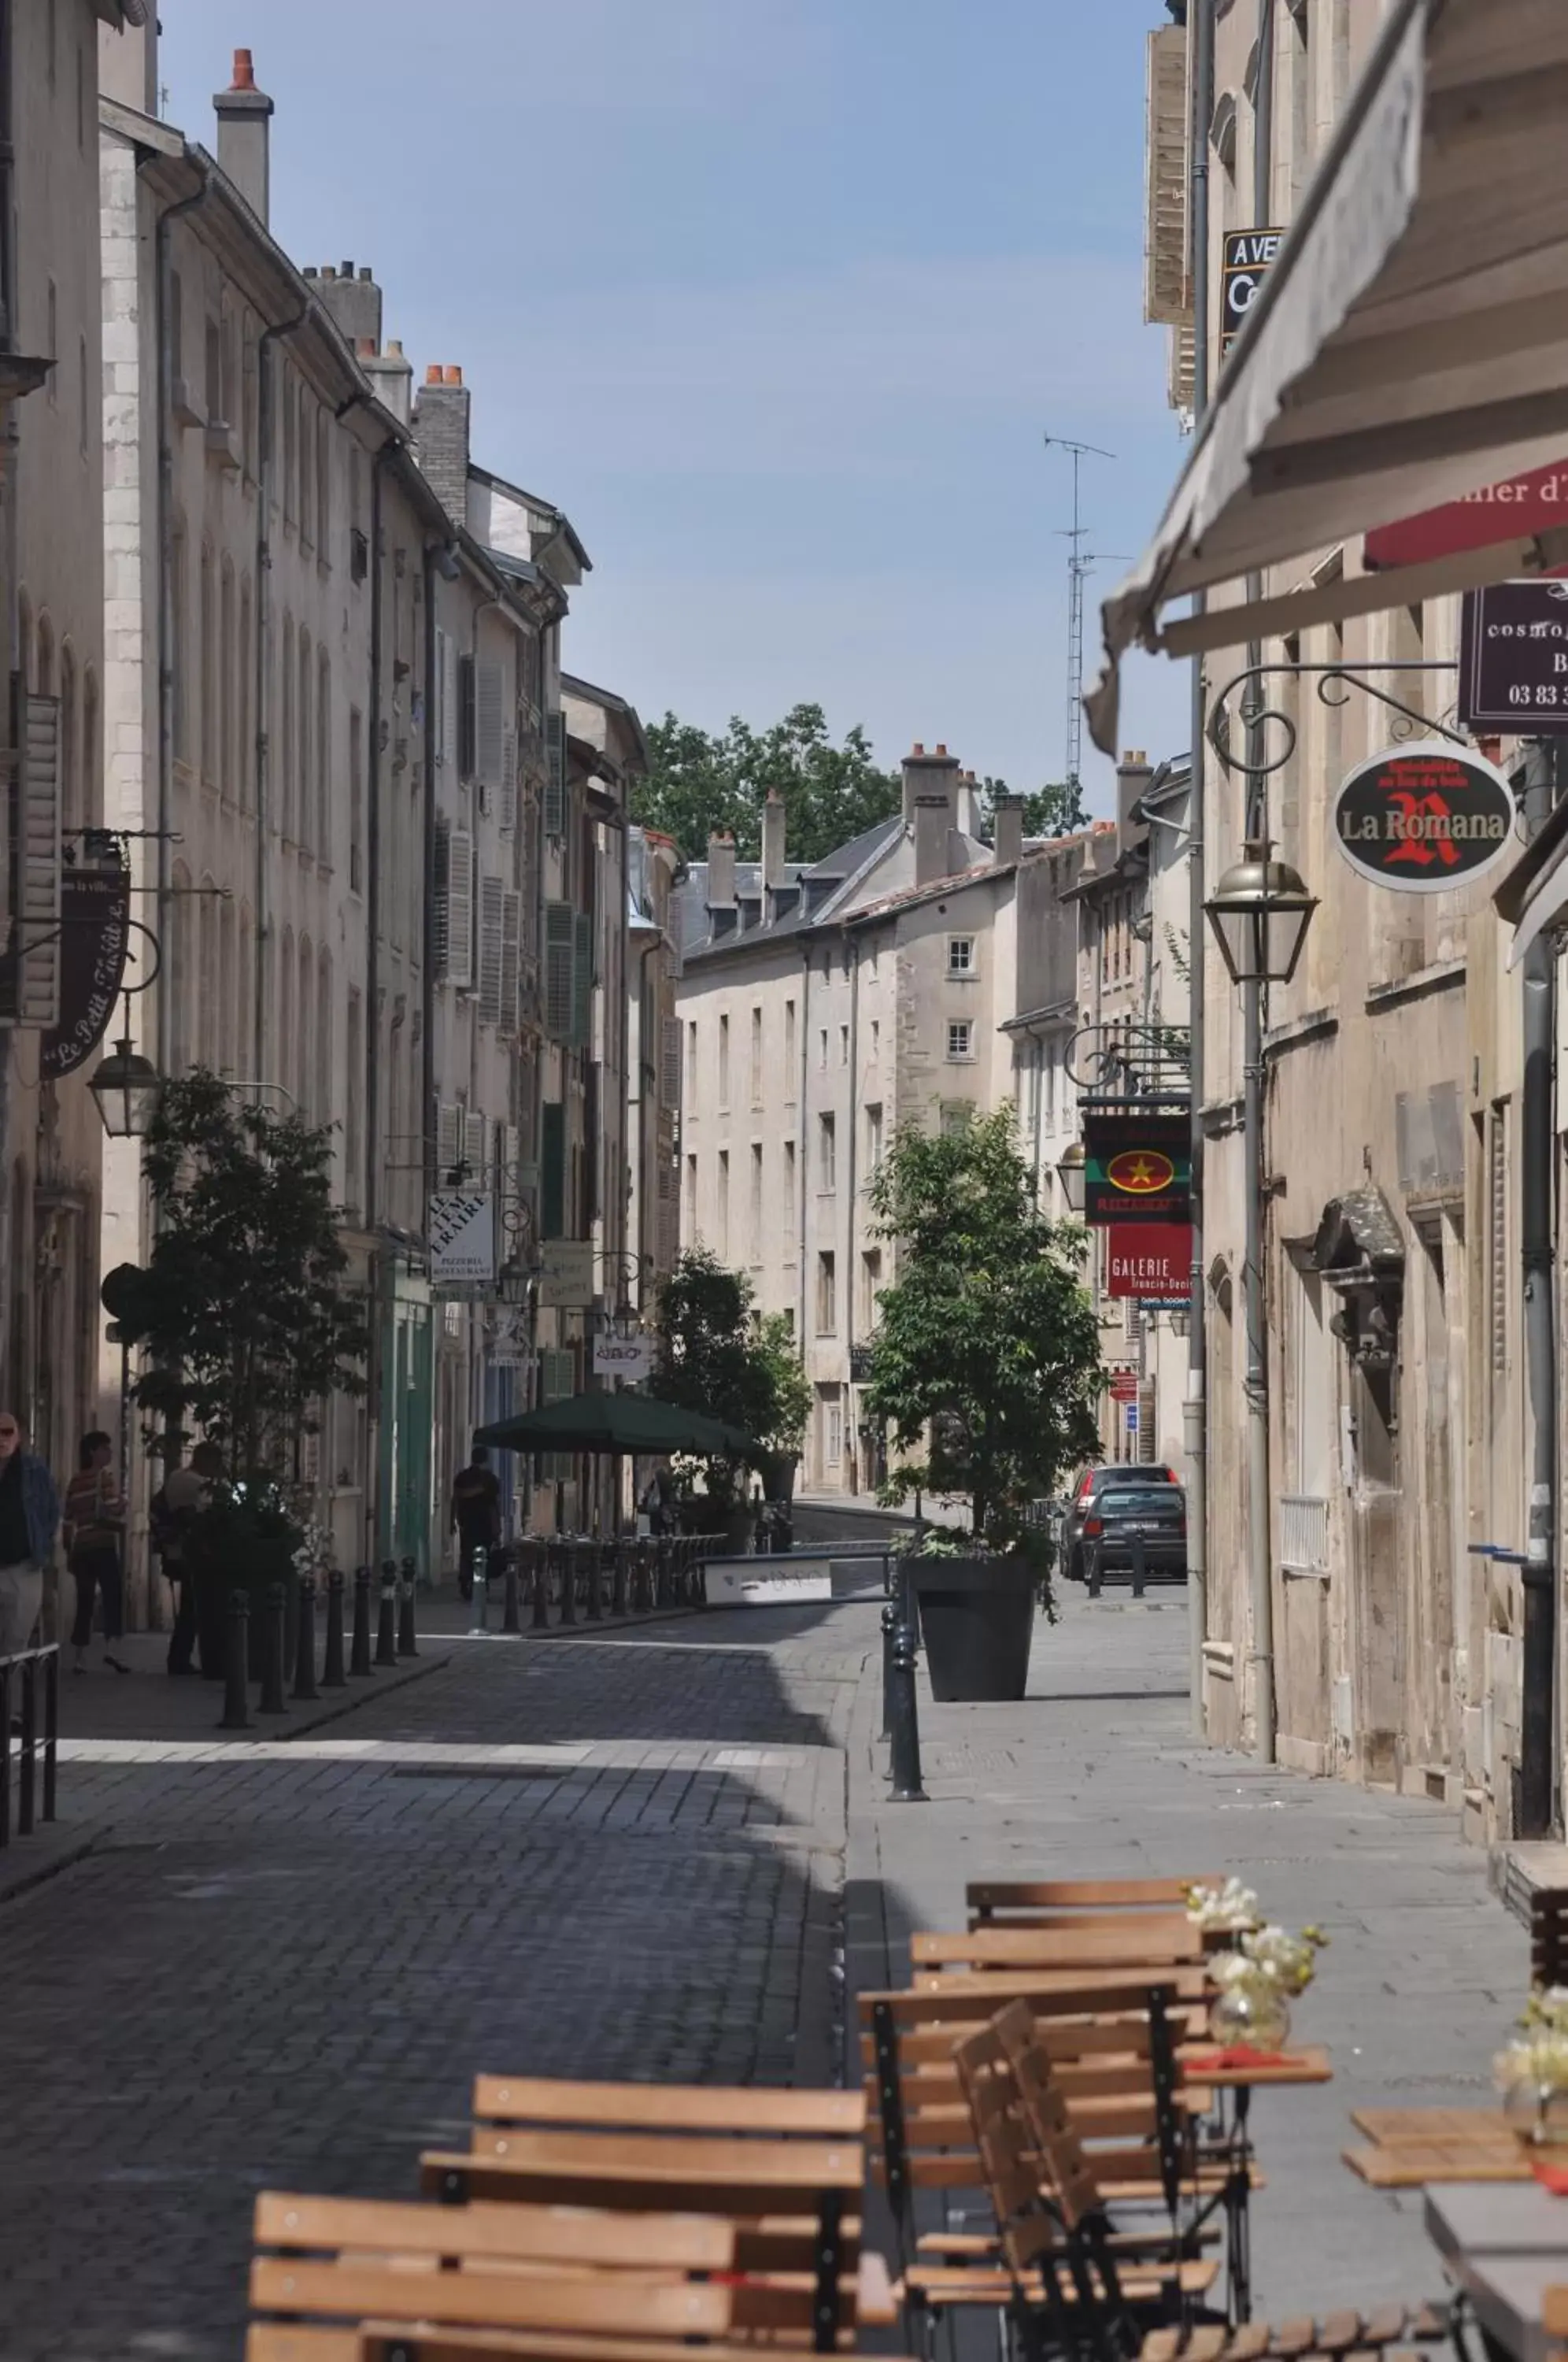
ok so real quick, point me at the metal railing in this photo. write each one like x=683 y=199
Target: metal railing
x=1304 y=1533
x=19 y=1682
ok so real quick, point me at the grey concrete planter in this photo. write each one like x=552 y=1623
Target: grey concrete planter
x=976 y=1619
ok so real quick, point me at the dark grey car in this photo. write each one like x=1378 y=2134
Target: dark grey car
x=1089 y=1494
x=1129 y=1515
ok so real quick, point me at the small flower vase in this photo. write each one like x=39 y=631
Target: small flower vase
x=1537 y=2112
x=1251 y=2016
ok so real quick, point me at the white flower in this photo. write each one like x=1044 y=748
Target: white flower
x=1223 y=1910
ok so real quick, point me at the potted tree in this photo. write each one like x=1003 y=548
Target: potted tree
x=247 y=1327
x=985 y=1359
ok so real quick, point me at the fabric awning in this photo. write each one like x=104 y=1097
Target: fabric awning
x=1410 y=345
x=608 y=1423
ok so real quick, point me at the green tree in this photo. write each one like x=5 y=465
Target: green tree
x=1055 y=810
x=706 y=1359
x=776 y=1349
x=699 y=785
x=243 y=1312
x=987 y=1348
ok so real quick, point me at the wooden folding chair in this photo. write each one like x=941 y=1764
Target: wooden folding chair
x=1047 y=1903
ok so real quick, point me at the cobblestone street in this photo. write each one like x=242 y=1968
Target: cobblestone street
x=282 y=1960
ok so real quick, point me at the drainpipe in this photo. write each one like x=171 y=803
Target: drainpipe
x=166 y=617
x=1200 y=18
x=1260 y=1533
x=1537 y=1155
x=851 y=1172
x=375 y=1355
x=263 y=633
x=802 y=1141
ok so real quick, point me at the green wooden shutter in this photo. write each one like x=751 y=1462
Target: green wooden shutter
x=560 y=990
x=555 y=784
x=582 y=981
x=552 y=1169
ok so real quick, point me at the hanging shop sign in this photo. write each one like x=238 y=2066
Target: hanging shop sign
x=566 y=1273
x=1250 y=256
x=1513 y=509
x=1124 y=1386
x=623 y=1357
x=1513 y=659
x=461 y=1227
x=1424 y=818
x=1137 y=1168
x=1149 y=1260
x=95 y=936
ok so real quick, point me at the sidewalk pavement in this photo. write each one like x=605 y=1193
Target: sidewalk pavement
x=1095 y=1775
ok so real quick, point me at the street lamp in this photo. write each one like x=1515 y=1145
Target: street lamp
x=1260 y=912
x=126 y=1089
x=1071 y=1172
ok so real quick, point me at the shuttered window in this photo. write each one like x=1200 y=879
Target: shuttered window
x=492 y=899
x=511 y=959
x=448 y=740
x=474 y=1158
x=460 y=904
x=552 y=1169
x=442 y=859
x=508 y=781
x=29 y=987
x=582 y=982
x=669 y=1077
x=490 y=721
x=449 y=1142
x=559 y=938
x=1497 y=1235
x=554 y=777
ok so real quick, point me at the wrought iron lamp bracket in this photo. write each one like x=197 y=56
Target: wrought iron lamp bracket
x=1332 y=683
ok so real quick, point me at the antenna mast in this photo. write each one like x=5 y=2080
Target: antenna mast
x=1081 y=564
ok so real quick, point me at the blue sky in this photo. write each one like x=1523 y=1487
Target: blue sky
x=776 y=298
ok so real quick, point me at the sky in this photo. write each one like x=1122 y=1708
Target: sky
x=778 y=300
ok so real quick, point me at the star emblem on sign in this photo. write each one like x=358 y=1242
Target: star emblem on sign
x=1140 y=1172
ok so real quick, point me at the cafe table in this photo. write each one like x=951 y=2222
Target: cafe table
x=1504 y=2245
x=1229 y=2078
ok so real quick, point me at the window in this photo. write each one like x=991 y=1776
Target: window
x=283 y=783
x=871 y=1285
x=242 y=698
x=324 y=758
x=757 y=1057
x=354 y=1098
x=822 y=1048
x=226 y=764
x=875 y=1039
x=873 y=1137
x=724 y=1062
x=790 y=1179
x=843 y=1046
x=180 y=653
x=724 y=1205
x=960 y=954
x=827 y=1152
x=209 y=656
x=788 y=1049
x=356 y=800
x=692 y=1064
x=757 y=1202
x=688 y=1218
x=827 y=1297
x=305 y=769
x=961 y=1038
x=832 y=1408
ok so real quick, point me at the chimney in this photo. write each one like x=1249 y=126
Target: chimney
x=354 y=303
x=723 y=915
x=772 y=847
x=441 y=437
x=929 y=775
x=393 y=376
x=932 y=826
x=1133 y=774
x=244 y=114
x=1009 y=820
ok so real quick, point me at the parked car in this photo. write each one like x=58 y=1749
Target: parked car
x=1126 y=1515
x=1089 y=1494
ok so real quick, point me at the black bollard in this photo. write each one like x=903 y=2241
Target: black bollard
x=538 y=1557
x=889 y=1626
x=405 y=1645
x=904 y=1751
x=511 y=1622
x=359 y=1656
x=386 y=1623
x=272 y=1700
x=332 y=1677
x=1096 y=1569
x=304 y=1642
x=1140 y=1565
x=478 y=1590
x=236 y=1663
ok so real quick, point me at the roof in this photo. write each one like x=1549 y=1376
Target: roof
x=546 y=510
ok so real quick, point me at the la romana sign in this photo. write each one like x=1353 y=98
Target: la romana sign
x=1424 y=818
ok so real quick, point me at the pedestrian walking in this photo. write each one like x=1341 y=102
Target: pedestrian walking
x=174 y=1507
x=476 y=1515
x=30 y=1520
x=94 y=1535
